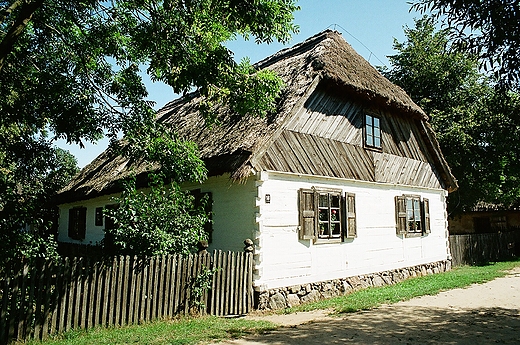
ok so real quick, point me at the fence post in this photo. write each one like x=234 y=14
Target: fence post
x=249 y=246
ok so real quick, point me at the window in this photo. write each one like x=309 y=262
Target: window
x=372 y=131
x=329 y=218
x=77 y=223
x=498 y=223
x=326 y=215
x=412 y=215
x=109 y=222
x=99 y=216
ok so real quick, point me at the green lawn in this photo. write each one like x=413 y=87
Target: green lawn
x=194 y=330
x=428 y=285
x=179 y=331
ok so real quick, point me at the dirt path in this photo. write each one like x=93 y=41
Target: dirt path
x=480 y=314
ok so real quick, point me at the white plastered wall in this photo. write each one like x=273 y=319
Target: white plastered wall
x=234 y=213
x=94 y=233
x=283 y=260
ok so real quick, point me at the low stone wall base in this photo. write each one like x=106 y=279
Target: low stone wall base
x=291 y=296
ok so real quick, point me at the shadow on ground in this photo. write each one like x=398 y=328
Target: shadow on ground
x=404 y=325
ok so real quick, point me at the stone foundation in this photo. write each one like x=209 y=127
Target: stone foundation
x=294 y=295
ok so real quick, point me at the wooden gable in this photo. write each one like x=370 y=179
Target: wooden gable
x=325 y=138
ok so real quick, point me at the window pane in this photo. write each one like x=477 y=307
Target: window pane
x=368 y=120
x=334 y=215
x=377 y=142
x=324 y=215
x=324 y=200
x=377 y=133
x=417 y=209
x=376 y=123
x=370 y=140
x=336 y=229
x=334 y=201
x=324 y=230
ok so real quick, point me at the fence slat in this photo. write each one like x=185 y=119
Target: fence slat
x=132 y=284
x=118 y=294
x=25 y=303
x=473 y=249
x=80 y=293
x=124 y=290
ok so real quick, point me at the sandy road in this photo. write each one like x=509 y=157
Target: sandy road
x=480 y=314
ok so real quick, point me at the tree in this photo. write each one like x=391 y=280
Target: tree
x=476 y=124
x=73 y=70
x=490 y=29
x=155 y=222
x=27 y=212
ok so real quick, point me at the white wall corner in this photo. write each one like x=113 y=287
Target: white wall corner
x=263 y=176
x=259 y=190
x=258 y=257
x=261 y=287
x=258 y=240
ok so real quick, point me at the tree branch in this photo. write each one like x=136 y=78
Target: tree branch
x=8 y=10
x=16 y=30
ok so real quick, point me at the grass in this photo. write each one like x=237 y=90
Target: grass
x=185 y=331
x=181 y=331
x=427 y=285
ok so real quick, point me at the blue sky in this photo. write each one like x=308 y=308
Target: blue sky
x=369 y=26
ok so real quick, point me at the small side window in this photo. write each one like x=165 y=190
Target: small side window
x=77 y=223
x=373 y=131
x=99 y=216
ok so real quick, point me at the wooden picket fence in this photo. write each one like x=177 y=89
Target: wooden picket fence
x=474 y=249
x=48 y=298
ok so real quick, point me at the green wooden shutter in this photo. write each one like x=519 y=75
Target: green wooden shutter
x=426 y=215
x=400 y=214
x=350 y=207
x=307 y=199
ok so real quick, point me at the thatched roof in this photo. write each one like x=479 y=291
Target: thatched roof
x=231 y=147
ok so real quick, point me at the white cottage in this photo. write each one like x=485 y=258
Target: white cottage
x=344 y=185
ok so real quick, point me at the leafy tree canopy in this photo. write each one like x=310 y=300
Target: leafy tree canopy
x=476 y=123
x=31 y=172
x=489 y=28
x=73 y=70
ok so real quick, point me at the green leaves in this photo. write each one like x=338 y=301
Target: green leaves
x=249 y=93
x=489 y=29
x=73 y=70
x=161 y=220
x=475 y=121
